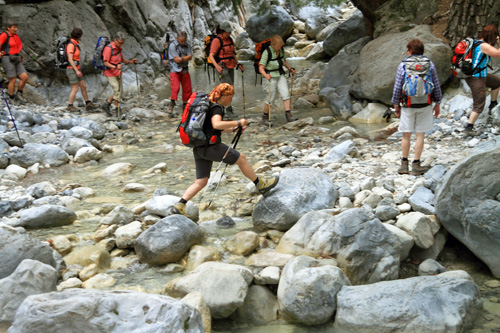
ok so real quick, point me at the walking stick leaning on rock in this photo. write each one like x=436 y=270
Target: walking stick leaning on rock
x=234 y=142
x=11 y=116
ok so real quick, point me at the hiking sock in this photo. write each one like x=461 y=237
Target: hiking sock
x=288 y=111
x=256 y=181
x=20 y=91
x=183 y=201
x=416 y=161
x=493 y=104
x=70 y=104
x=404 y=159
x=87 y=102
x=469 y=125
x=12 y=96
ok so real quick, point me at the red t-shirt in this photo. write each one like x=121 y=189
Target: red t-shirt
x=226 y=51
x=114 y=59
x=70 y=48
x=15 y=46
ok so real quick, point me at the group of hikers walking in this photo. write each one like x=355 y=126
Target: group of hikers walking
x=416 y=96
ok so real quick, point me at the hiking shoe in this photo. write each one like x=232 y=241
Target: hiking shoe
x=493 y=104
x=265 y=185
x=71 y=108
x=20 y=98
x=417 y=169
x=470 y=131
x=403 y=169
x=106 y=107
x=91 y=106
x=289 y=117
x=171 y=106
x=178 y=208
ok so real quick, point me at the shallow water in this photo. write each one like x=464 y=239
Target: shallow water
x=180 y=174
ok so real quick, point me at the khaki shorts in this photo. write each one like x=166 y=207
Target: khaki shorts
x=11 y=69
x=73 y=78
x=279 y=84
x=478 y=87
x=116 y=84
x=418 y=120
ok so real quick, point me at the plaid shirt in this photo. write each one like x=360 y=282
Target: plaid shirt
x=400 y=77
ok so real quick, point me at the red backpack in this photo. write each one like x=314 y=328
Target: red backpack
x=461 y=61
x=192 y=121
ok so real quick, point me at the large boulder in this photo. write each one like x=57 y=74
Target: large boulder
x=363 y=248
x=299 y=191
x=45 y=216
x=167 y=240
x=31 y=277
x=410 y=305
x=467 y=204
x=39 y=153
x=306 y=276
x=16 y=245
x=276 y=21
x=345 y=33
x=223 y=286
x=81 y=310
x=379 y=60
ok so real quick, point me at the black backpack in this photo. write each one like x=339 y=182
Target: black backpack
x=61 y=60
x=6 y=46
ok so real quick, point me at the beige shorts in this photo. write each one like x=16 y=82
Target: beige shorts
x=418 y=120
x=72 y=77
x=277 y=84
x=116 y=84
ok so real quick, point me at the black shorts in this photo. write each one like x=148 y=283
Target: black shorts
x=205 y=156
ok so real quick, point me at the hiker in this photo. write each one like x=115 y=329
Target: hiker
x=112 y=57
x=179 y=54
x=482 y=80
x=204 y=156
x=73 y=72
x=12 y=61
x=416 y=117
x=271 y=66
x=223 y=57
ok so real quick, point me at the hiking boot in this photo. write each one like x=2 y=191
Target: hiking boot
x=20 y=98
x=106 y=107
x=470 y=131
x=493 y=104
x=265 y=185
x=417 y=169
x=71 y=108
x=403 y=169
x=289 y=117
x=91 y=106
x=265 y=120
x=178 y=208
x=171 y=106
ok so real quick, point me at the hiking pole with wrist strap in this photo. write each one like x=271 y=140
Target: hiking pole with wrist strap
x=269 y=113
x=243 y=86
x=291 y=90
x=234 y=142
x=137 y=83
x=11 y=116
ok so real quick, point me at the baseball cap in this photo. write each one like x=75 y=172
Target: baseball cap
x=226 y=26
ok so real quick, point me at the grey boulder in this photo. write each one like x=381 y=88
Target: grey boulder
x=276 y=21
x=45 y=216
x=39 y=153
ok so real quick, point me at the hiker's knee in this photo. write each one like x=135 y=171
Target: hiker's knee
x=201 y=182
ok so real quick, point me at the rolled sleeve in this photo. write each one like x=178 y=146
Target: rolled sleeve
x=398 y=85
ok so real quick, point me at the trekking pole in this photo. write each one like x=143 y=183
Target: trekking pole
x=11 y=116
x=235 y=139
x=137 y=83
x=269 y=100
x=120 y=84
x=234 y=142
x=243 y=86
x=291 y=92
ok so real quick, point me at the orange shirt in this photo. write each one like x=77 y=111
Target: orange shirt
x=71 y=48
x=226 y=51
x=15 y=46
x=113 y=58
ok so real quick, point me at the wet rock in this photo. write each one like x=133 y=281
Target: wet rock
x=243 y=243
x=348 y=237
x=42 y=189
x=45 y=216
x=167 y=240
x=117 y=169
x=209 y=279
x=306 y=276
x=119 y=215
x=259 y=308
x=408 y=305
x=200 y=254
x=132 y=311
x=195 y=299
x=160 y=205
x=225 y=222
x=467 y=203
x=89 y=254
x=266 y=258
x=31 y=277
x=298 y=192
x=86 y=154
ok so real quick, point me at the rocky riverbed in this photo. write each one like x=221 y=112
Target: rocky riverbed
x=94 y=191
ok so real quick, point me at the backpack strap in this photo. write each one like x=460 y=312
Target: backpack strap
x=76 y=46
x=5 y=46
x=279 y=58
x=477 y=70
x=222 y=45
x=112 y=53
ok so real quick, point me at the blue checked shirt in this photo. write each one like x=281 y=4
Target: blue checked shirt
x=400 y=77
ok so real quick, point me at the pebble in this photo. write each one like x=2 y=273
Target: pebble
x=492 y=283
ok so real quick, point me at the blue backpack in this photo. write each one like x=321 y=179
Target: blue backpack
x=418 y=85
x=102 y=42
